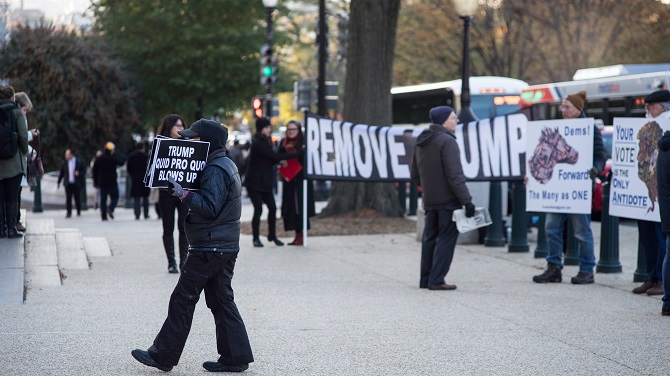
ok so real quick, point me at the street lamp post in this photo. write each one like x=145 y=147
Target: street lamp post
x=270 y=6
x=466 y=10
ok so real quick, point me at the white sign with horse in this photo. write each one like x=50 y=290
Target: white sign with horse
x=559 y=154
x=633 y=189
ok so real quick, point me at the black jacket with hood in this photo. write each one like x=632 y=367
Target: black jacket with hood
x=436 y=167
x=213 y=220
x=663 y=176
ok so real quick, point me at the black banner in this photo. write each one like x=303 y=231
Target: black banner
x=181 y=159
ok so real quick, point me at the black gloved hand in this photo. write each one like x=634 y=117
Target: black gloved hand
x=177 y=190
x=593 y=173
x=469 y=210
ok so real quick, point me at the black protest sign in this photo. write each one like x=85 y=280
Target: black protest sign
x=183 y=160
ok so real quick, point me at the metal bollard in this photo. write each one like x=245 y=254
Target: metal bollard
x=542 y=249
x=519 y=241
x=609 y=235
x=402 y=196
x=494 y=233
x=37 y=202
x=413 y=198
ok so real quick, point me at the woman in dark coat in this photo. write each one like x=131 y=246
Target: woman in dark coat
x=291 y=207
x=168 y=203
x=260 y=177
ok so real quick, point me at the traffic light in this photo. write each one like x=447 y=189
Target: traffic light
x=269 y=66
x=257 y=107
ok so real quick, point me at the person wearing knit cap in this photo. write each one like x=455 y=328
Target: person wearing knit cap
x=436 y=168
x=652 y=239
x=572 y=107
x=260 y=177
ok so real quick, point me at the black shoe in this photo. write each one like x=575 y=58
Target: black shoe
x=12 y=233
x=144 y=358
x=20 y=227
x=551 y=275
x=172 y=269
x=3 y=232
x=110 y=214
x=277 y=241
x=442 y=287
x=218 y=367
x=257 y=243
x=582 y=278
x=68 y=215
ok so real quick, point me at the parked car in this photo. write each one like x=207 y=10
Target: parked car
x=597 y=201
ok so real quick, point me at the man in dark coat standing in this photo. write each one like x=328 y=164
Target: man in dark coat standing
x=73 y=175
x=436 y=167
x=104 y=177
x=213 y=232
x=137 y=167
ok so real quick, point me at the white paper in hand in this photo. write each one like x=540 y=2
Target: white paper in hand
x=464 y=224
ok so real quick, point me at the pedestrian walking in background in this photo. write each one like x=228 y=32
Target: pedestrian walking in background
x=260 y=178
x=167 y=203
x=73 y=176
x=292 y=207
x=105 y=178
x=436 y=168
x=98 y=153
x=13 y=163
x=572 y=107
x=650 y=233
x=137 y=167
x=213 y=227
x=236 y=154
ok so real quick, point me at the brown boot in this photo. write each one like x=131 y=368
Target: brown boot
x=644 y=287
x=656 y=290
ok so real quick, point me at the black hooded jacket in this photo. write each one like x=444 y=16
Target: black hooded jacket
x=436 y=167
x=663 y=180
x=213 y=220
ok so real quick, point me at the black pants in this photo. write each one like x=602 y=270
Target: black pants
x=653 y=245
x=213 y=272
x=72 y=190
x=437 y=247
x=257 y=199
x=141 y=201
x=9 y=194
x=113 y=193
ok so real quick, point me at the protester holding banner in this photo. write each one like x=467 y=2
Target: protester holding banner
x=572 y=108
x=213 y=227
x=652 y=239
x=167 y=203
x=291 y=207
x=260 y=178
x=436 y=168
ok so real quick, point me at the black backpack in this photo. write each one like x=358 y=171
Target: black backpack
x=9 y=134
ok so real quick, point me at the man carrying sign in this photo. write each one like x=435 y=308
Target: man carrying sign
x=213 y=232
x=572 y=108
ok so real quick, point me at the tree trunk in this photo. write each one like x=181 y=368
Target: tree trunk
x=367 y=97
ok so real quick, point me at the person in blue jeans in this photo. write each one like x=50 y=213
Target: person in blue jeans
x=571 y=108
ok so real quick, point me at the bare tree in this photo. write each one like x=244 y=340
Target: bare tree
x=367 y=99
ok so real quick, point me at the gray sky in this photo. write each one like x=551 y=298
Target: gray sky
x=52 y=8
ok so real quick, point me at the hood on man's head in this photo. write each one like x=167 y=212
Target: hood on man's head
x=658 y=96
x=209 y=131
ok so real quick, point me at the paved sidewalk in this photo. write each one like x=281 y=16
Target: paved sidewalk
x=343 y=306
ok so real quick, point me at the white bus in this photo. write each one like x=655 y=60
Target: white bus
x=612 y=91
